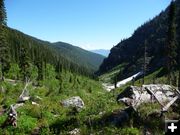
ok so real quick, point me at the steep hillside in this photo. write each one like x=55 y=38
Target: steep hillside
x=131 y=50
x=78 y=55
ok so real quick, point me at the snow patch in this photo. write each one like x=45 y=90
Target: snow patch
x=110 y=87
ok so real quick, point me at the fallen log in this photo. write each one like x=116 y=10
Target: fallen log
x=168 y=105
x=25 y=94
x=11 y=119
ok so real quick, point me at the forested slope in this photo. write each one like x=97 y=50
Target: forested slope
x=86 y=58
x=130 y=52
x=66 y=57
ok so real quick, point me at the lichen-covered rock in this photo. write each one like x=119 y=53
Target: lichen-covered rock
x=134 y=95
x=73 y=102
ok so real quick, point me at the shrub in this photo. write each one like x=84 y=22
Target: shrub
x=26 y=123
x=130 y=131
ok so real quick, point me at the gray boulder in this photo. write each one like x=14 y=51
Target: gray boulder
x=73 y=102
x=160 y=93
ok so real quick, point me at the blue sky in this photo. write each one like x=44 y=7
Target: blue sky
x=90 y=24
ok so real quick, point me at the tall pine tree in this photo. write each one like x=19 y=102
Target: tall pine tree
x=39 y=63
x=171 y=43
x=3 y=17
x=24 y=63
x=145 y=61
x=4 y=48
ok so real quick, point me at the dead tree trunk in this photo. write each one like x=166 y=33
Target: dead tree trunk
x=25 y=93
x=166 y=107
x=11 y=119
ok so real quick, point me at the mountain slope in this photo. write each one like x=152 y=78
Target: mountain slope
x=102 y=52
x=131 y=51
x=59 y=54
x=78 y=55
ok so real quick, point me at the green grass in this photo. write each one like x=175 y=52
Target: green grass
x=108 y=77
x=52 y=118
x=50 y=112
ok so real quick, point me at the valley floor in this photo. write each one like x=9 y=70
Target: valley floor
x=96 y=112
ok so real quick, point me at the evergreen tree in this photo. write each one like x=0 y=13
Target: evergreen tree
x=13 y=72
x=39 y=63
x=4 y=48
x=171 y=43
x=145 y=60
x=115 y=81
x=179 y=79
x=3 y=17
x=24 y=63
x=45 y=68
x=60 y=83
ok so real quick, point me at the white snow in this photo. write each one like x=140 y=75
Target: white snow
x=109 y=87
x=128 y=79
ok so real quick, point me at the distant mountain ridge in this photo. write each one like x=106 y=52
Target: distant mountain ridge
x=78 y=55
x=103 y=52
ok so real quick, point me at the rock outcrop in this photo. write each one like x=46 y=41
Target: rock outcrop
x=73 y=102
x=161 y=93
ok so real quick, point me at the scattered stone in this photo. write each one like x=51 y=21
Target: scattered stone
x=34 y=103
x=76 y=131
x=73 y=102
